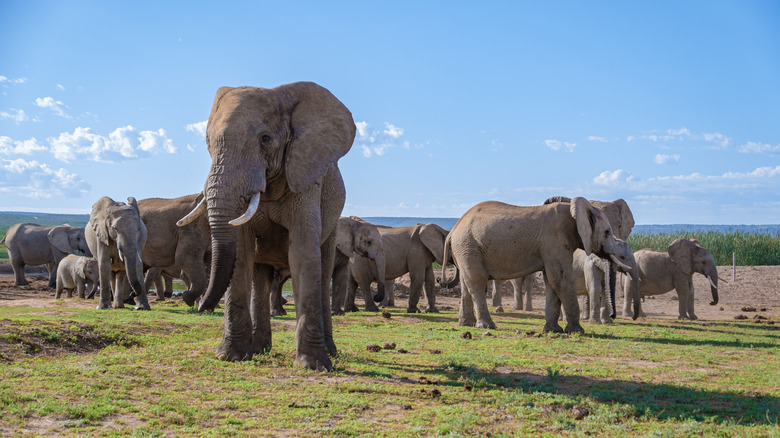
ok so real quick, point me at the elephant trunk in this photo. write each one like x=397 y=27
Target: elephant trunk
x=713 y=287
x=634 y=276
x=135 y=271
x=611 y=294
x=378 y=269
x=223 y=260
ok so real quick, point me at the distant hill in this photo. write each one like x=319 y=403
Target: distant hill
x=444 y=222
x=8 y=218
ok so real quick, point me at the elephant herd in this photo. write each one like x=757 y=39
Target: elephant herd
x=271 y=209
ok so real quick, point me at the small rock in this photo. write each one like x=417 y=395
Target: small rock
x=740 y=316
x=749 y=309
x=402 y=351
x=390 y=346
x=386 y=314
x=499 y=309
x=487 y=334
x=721 y=309
x=467 y=387
x=423 y=381
x=580 y=412
x=760 y=317
x=407 y=407
x=530 y=333
x=373 y=348
x=465 y=335
x=763 y=309
x=435 y=351
x=435 y=393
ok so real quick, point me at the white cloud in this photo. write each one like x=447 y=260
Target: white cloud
x=54 y=105
x=666 y=159
x=558 y=145
x=599 y=139
x=17 y=81
x=758 y=148
x=718 y=138
x=61 y=87
x=121 y=144
x=38 y=180
x=630 y=138
x=9 y=146
x=682 y=132
x=612 y=178
x=376 y=143
x=198 y=128
x=18 y=116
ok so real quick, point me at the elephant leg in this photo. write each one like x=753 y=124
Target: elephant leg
x=306 y=264
x=560 y=293
x=328 y=251
x=389 y=300
x=237 y=334
x=277 y=301
x=168 y=289
x=160 y=286
x=117 y=280
x=496 y=301
x=430 y=292
x=628 y=299
x=259 y=303
x=466 y=313
x=339 y=286
x=349 y=302
x=52 y=268
x=196 y=273
x=104 y=266
x=18 y=266
x=80 y=289
x=415 y=289
x=476 y=284
x=691 y=295
x=58 y=290
x=368 y=297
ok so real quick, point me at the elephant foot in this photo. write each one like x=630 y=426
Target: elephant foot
x=552 y=327
x=168 y=294
x=141 y=303
x=330 y=347
x=119 y=305
x=467 y=322
x=387 y=303
x=232 y=353
x=606 y=321
x=261 y=346
x=432 y=310
x=412 y=310
x=574 y=328
x=278 y=312
x=337 y=312
x=351 y=308
x=372 y=308
x=486 y=325
x=189 y=297
x=319 y=361
x=693 y=317
x=103 y=306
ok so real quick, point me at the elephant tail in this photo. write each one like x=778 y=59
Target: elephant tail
x=445 y=259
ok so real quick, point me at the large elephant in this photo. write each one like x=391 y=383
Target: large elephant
x=357 y=238
x=498 y=241
x=116 y=236
x=31 y=244
x=274 y=170
x=180 y=249
x=660 y=272
x=77 y=272
x=410 y=249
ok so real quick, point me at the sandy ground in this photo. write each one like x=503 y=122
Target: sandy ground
x=756 y=287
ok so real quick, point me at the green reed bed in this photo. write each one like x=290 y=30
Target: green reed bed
x=750 y=249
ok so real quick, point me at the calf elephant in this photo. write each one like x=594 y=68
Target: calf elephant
x=182 y=249
x=274 y=170
x=31 y=244
x=79 y=273
x=410 y=249
x=498 y=241
x=660 y=272
x=116 y=235
x=357 y=238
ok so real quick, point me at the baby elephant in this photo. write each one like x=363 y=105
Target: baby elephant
x=74 y=272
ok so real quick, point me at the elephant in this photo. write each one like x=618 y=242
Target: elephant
x=116 y=236
x=77 y=272
x=274 y=170
x=660 y=272
x=409 y=249
x=277 y=300
x=522 y=288
x=357 y=238
x=178 y=249
x=162 y=279
x=31 y=244
x=498 y=241
x=592 y=280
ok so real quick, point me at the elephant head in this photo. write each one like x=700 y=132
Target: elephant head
x=69 y=240
x=689 y=256
x=118 y=226
x=620 y=217
x=358 y=237
x=264 y=145
x=87 y=268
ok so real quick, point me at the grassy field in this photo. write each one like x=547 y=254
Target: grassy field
x=75 y=372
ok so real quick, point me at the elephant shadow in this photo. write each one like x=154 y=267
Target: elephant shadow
x=643 y=398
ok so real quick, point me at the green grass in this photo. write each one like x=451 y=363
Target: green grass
x=157 y=375
x=751 y=249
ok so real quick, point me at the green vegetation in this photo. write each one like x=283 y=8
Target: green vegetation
x=751 y=249
x=80 y=372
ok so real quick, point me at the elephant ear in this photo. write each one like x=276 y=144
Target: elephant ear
x=58 y=237
x=433 y=236
x=322 y=132
x=81 y=267
x=132 y=202
x=584 y=215
x=98 y=219
x=681 y=253
x=345 y=242
x=626 y=218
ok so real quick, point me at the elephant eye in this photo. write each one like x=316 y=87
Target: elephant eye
x=265 y=138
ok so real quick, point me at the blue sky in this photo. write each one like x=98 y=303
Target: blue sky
x=673 y=106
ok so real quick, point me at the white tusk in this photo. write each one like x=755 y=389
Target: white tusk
x=194 y=214
x=617 y=262
x=250 y=211
x=712 y=283
x=630 y=278
x=121 y=256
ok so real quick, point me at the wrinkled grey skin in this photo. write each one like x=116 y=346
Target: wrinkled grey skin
x=498 y=241
x=277 y=300
x=180 y=249
x=662 y=271
x=410 y=249
x=357 y=238
x=280 y=146
x=31 y=244
x=79 y=273
x=116 y=236
x=522 y=288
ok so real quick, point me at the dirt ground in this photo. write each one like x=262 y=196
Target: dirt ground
x=755 y=287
